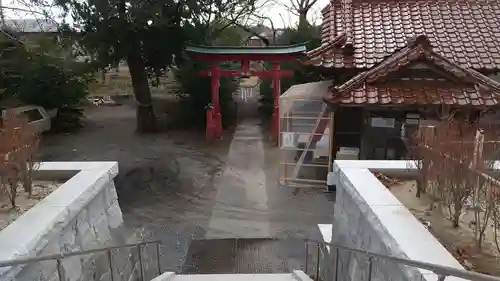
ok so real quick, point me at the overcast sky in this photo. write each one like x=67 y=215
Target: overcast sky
x=276 y=11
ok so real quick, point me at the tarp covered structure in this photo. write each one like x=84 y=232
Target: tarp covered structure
x=304 y=134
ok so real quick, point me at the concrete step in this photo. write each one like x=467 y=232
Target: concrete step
x=294 y=276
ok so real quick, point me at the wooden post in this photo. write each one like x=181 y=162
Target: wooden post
x=427 y=135
x=477 y=158
x=332 y=140
x=245 y=65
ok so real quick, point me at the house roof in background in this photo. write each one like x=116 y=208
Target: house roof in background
x=32 y=25
x=465 y=31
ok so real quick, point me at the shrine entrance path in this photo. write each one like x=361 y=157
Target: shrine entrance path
x=241 y=208
x=250 y=209
x=176 y=187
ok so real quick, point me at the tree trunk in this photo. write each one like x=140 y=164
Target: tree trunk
x=303 y=23
x=103 y=76
x=146 y=119
x=456 y=214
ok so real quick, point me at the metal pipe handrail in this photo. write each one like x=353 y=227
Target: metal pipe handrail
x=59 y=256
x=441 y=270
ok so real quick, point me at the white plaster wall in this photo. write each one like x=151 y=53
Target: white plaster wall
x=367 y=216
x=81 y=214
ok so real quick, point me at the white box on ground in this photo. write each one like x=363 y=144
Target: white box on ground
x=348 y=153
x=38 y=118
x=289 y=140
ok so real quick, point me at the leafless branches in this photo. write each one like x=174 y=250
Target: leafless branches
x=300 y=8
x=18 y=143
x=456 y=158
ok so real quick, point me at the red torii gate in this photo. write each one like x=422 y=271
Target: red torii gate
x=243 y=54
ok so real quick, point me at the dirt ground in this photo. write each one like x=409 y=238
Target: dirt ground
x=459 y=242
x=167 y=184
x=24 y=202
x=164 y=184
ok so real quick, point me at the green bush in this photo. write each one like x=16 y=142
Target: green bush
x=50 y=85
x=31 y=77
x=67 y=120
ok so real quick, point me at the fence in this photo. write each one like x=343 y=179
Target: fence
x=441 y=271
x=59 y=257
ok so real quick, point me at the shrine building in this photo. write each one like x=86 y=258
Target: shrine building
x=389 y=65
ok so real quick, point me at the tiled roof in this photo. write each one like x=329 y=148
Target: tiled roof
x=465 y=31
x=418 y=92
x=467 y=87
x=335 y=42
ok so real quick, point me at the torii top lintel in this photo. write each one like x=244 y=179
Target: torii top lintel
x=253 y=53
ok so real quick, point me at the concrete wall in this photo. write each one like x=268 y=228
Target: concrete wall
x=367 y=216
x=82 y=214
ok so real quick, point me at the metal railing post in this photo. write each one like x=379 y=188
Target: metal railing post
x=235 y=251
x=318 y=246
x=140 y=262
x=370 y=268
x=337 y=261
x=110 y=262
x=441 y=277
x=306 y=244
x=59 y=270
x=158 y=258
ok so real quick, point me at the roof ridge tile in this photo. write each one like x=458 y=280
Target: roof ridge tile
x=337 y=42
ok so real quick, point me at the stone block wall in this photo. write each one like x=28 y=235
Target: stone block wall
x=358 y=228
x=368 y=217
x=82 y=214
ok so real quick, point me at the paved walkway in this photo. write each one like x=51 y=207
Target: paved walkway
x=250 y=209
x=241 y=208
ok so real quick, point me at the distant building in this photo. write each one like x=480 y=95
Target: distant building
x=37 y=32
x=32 y=25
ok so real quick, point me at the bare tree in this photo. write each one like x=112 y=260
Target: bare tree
x=418 y=152
x=449 y=154
x=18 y=144
x=300 y=8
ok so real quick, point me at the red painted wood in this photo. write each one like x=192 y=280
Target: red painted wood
x=244 y=66
x=214 y=118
